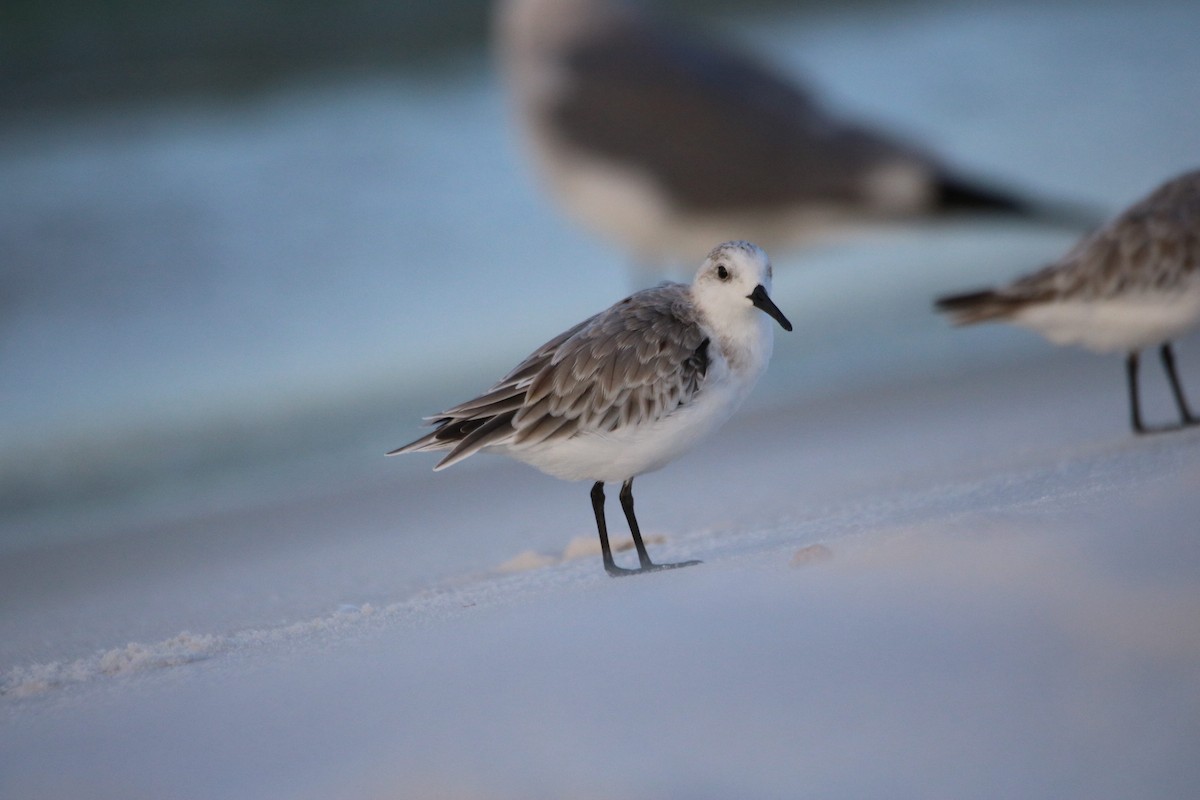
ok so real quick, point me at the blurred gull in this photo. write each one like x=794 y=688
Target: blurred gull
x=665 y=141
x=1134 y=283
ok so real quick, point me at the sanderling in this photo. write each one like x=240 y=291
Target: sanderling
x=630 y=389
x=1132 y=284
x=666 y=142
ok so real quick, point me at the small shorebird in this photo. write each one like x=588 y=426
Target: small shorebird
x=629 y=390
x=666 y=142
x=1132 y=284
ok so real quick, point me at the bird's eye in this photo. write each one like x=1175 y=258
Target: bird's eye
x=722 y=273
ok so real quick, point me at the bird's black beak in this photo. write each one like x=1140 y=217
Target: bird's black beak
x=760 y=300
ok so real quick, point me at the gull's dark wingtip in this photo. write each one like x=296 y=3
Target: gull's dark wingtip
x=956 y=195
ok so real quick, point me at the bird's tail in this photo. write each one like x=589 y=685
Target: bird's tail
x=429 y=441
x=462 y=437
x=981 y=306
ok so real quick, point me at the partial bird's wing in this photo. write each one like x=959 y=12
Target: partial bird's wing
x=633 y=363
x=1151 y=246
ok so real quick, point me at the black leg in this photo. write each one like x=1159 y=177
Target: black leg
x=634 y=530
x=610 y=566
x=643 y=557
x=1186 y=416
x=1131 y=373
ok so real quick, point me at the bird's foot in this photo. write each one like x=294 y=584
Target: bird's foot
x=1146 y=430
x=620 y=572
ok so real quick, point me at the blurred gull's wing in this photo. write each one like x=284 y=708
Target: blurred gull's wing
x=714 y=129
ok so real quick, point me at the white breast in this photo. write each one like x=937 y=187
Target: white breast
x=640 y=448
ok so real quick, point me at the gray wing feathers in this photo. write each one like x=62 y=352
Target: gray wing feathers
x=635 y=362
x=1152 y=246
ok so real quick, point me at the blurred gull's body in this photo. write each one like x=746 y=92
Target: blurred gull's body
x=666 y=143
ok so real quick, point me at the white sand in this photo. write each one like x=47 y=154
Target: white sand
x=1007 y=607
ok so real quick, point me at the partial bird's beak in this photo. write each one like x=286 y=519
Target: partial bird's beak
x=760 y=300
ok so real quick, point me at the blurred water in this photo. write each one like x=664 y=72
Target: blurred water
x=213 y=302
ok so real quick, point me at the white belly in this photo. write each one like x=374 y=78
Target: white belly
x=1122 y=324
x=638 y=449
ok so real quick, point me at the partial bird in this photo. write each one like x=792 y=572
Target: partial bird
x=630 y=389
x=664 y=141
x=1132 y=284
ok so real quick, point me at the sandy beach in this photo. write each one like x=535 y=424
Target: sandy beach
x=896 y=599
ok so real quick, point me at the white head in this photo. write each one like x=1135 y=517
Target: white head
x=733 y=286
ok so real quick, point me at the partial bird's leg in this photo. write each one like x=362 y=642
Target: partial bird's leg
x=627 y=507
x=635 y=531
x=1168 y=359
x=610 y=566
x=1131 y=373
